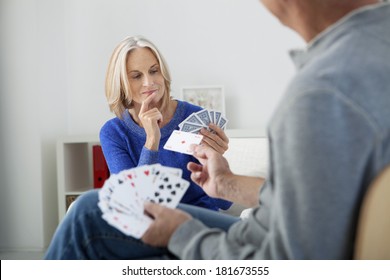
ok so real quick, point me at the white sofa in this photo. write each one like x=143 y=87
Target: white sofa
x=247 y=155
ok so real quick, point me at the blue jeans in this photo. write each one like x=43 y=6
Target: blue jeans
x=83 y=234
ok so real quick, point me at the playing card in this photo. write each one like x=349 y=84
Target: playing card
x=178 y=172
x=148 y=171
x=212 y=116
x=222 y=122
x=168 y=190
x=126 y=199
x=192 y=119
x=217 y=116
x=180 y=141
x=130 y=224
x=122 y=196
x=107 y=190
x=188 y=127
x=195 y=131
x=204 y=116
x=201 y=119
x=143 y=176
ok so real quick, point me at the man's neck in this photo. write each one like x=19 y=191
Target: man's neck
x=311 y=19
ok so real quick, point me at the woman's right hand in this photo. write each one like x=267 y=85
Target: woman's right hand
x=151 y=119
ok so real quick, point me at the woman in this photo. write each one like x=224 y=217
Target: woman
x=138 y=92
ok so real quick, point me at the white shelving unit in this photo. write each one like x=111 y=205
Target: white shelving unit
x=74 y=168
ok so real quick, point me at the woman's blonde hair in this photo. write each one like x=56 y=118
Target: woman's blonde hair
x=117 y=87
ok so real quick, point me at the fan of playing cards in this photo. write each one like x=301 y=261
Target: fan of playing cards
x=122 y=196
x=181 y=140
x=196 y=121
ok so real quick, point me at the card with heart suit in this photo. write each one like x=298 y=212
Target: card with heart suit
x=180 y=141
x=122 y=197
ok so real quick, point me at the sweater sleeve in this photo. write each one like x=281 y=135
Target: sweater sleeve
x=121 y=154
x=320 y=147
x=148 y=157
x=115 y=150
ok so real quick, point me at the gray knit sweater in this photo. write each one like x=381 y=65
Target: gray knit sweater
x=329 y=137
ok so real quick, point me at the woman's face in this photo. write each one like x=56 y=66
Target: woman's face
x=144 y=74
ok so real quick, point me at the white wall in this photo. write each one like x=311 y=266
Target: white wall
x=234 y=43
x=33 y=113
x=53 y=57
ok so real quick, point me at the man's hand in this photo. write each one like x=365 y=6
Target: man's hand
x=213 y=167
x=213 y=174
x=166 y=221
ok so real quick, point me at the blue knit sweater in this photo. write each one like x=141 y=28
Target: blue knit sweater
x=123 y=141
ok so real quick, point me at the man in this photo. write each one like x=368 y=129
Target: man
x=329 y=138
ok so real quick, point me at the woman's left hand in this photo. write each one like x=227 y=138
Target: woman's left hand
x=216 y=140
